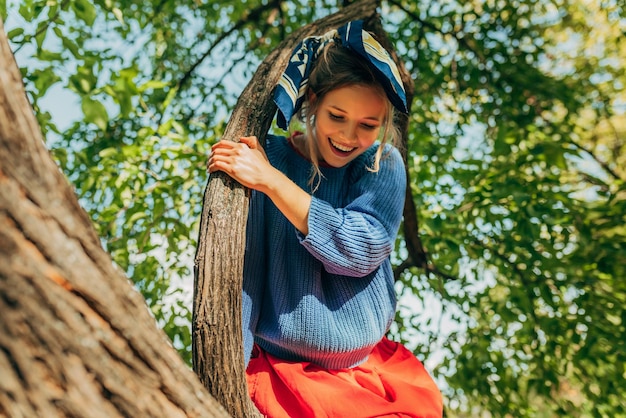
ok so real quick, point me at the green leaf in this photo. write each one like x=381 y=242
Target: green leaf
x=95 y=112
x=118 y=15
x=69 y=45
x=44 y=79
x=168 y=99
x=14 y=33
x=26 y=10
x=136 y=216
x=151 y=85
x=108 y=152
x=83 y=81
x=3 y=11
x=85 y=11
x=40 y=35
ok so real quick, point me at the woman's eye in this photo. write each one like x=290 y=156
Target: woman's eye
x=368 y=127
x=335 y=117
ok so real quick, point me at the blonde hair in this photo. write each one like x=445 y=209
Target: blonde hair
x=338 y=67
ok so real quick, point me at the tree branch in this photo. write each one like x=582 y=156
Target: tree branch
x=597 y=159
x=253 y=16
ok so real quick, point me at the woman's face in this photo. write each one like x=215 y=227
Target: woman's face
x=347 y=122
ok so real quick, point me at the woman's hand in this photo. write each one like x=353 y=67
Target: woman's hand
x=244 y=161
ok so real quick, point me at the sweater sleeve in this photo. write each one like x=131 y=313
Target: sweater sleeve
x=355 y=239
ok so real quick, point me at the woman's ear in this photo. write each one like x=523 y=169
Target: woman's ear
x=311 y=96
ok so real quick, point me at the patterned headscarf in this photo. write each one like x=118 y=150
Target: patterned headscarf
x=291 y=88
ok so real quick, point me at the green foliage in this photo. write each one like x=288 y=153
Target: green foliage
x=516 y=158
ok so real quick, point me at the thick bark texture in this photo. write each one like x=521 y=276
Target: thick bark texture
x=219 y=256
x=76 y=339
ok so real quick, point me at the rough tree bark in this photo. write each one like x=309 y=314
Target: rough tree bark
x=219 y=256
x=76 y=339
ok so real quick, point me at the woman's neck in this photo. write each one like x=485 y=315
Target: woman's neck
x=298 y=140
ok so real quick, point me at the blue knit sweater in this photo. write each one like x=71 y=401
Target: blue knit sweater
x=327 y=297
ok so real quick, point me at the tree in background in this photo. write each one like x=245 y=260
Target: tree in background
x=512 y=257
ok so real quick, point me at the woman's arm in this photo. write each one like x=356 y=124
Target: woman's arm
x=353 y=240
x=247 y=163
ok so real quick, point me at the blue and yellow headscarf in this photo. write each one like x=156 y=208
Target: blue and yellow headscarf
x=291 y=89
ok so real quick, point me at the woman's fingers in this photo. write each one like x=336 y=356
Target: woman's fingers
x=237 y=158
x=250 y=141
x=219 y=155
x=253 y=143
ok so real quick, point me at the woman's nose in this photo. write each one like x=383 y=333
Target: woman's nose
x=348 y=133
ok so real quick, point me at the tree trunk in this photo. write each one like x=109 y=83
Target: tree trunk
x=219 y=257
x=76 y=339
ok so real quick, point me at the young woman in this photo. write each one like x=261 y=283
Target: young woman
x=325 y=209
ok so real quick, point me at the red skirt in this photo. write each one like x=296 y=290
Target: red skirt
x=391 y=383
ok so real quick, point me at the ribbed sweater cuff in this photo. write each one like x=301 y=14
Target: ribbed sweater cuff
x=331 y=361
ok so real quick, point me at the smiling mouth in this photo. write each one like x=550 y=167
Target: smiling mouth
x=341 y=148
